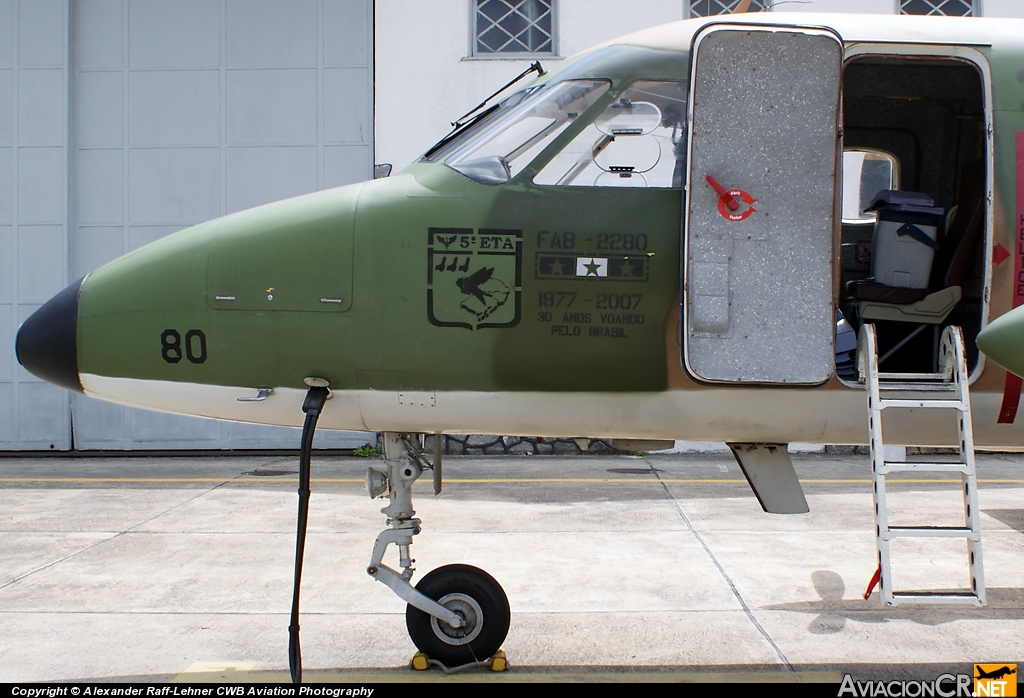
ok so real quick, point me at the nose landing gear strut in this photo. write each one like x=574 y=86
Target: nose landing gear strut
x=457 y=614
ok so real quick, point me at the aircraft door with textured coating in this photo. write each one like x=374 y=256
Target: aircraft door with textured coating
x=760 y=205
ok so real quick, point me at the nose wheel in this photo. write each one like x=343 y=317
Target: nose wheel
x=457 y=614
x=477 y=599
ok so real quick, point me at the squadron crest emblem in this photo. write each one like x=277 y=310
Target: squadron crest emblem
x=474 y=277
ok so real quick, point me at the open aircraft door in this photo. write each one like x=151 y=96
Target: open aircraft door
x=760 y=206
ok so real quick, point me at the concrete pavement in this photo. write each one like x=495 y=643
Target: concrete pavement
x=659 y=568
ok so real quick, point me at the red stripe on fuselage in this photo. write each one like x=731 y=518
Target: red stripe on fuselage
x=1012 y=386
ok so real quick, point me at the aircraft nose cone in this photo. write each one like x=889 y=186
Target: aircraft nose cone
x=1003 y=340
x=46 y=343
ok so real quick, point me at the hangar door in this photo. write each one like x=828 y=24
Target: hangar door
x=33 y=210
x=185 y=111
x=760 y=205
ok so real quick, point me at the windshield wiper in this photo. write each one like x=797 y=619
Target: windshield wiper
x=472 y=116
x=534 y=67
x=460 y=128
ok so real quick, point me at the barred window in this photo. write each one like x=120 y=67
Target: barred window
x=512 y=28
x=707 y=8
x=950 y=8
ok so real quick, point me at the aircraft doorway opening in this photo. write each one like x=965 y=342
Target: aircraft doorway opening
x=915 y=207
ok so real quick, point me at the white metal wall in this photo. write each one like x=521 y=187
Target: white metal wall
x=179 y=112
x=33 y=208
x=423 y=60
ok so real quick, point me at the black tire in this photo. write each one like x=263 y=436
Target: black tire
x=473 y=593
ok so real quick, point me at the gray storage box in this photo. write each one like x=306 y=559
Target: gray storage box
x=905 y=239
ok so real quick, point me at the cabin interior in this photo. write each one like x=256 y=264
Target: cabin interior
x=916 y=125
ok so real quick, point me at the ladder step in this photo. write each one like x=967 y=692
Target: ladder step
x=966 y=598
x=910 y=386
x=906 y=377
x=922 y=402
x=929 y=532
x=887 y=467
x=947 y=390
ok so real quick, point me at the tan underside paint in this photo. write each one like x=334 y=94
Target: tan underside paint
x=765 y=415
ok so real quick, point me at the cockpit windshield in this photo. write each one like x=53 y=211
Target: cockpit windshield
x=479 y=121
x=502 y=140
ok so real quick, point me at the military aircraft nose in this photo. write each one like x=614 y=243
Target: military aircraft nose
x=46 y=343
x=1003 y=340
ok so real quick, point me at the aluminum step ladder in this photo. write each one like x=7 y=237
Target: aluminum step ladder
x=944 y=390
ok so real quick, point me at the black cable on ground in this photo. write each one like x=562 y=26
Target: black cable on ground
x=312 y=405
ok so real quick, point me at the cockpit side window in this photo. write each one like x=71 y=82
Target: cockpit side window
x=866 y=172
x=503 y=147
x=637 y=141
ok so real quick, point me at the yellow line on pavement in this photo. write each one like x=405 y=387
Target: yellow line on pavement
x=182 y=480
x=483 y=480
x=226 y=673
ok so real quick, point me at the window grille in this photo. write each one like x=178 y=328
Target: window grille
x=950 y=8
x=513 y=27
x=707 y=8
